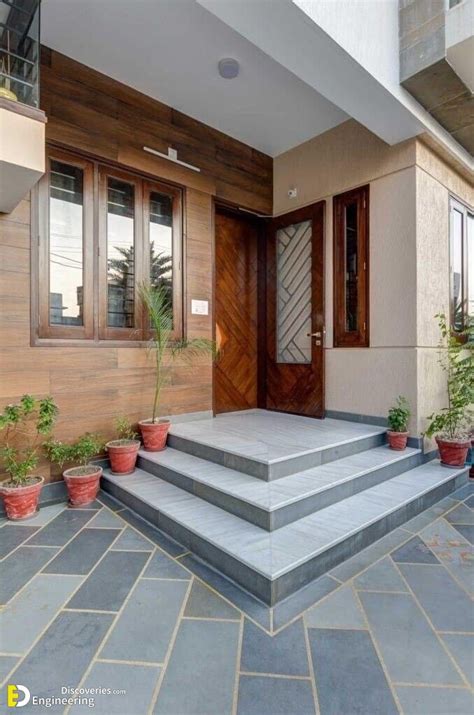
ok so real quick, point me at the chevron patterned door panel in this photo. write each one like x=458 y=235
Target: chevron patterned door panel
x=294 y=308
x=294 y=377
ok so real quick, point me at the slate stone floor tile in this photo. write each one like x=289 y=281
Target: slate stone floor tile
x=62 y=655
x=452 y=550
x=254 y=608
x=107 y=587
x=462 y=514
x=106 y=519
x=145 y=626
x=382 y=576
x=204 y=603
x=137 y=681
x=23 y=619
x=466 y=530
x=274 y=696
x=12 y=535
x=429 y=515
x=155 y=535
x=62 y=528
x=349 y=676
x=200 y=676
x=414 y=551
x=162 y=566
x=435 y=701
x=83 y=552
x=340 y=609
x=131 y=540
x=401 y=630
x=282 y=654
x=461 y=647
x=18 y=568
x=44 y=515
x=470 y=502
x=295 y=604
x=447 y=605
x=372 y=553
x=7 y=663
x=464 y=492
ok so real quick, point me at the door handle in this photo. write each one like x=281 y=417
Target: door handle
x=318 y=334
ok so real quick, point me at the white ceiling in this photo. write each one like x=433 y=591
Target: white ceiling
x=169 y=49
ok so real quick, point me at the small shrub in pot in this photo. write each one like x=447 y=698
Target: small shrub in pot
x=123 y=451
x=82 y=480
x=156 y=303
x=398 y=417
x=24 y=427
x=452 y=425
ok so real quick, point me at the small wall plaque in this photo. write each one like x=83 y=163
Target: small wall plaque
x=200 y=307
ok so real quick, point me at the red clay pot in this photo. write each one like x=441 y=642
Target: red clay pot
x=453 y=453
x=123 y=455
x=21 y=502
x=82 y=488
x=397 y=440
x=154 y=434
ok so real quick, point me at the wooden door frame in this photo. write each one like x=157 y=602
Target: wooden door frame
x=316 y=212
x=260 y=223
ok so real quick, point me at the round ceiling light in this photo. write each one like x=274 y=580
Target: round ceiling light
x=228 y=68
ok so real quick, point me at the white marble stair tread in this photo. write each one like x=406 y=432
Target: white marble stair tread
x=276 y=494
x=273 y=554
x=270 y=437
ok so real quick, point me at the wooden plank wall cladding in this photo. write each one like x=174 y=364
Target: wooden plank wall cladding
x=93 y=114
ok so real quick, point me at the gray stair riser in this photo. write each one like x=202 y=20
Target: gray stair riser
x=273 y=591
x=275 y=519
x=268 y=472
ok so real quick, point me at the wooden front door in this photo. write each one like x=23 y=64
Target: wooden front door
x=236 y=312
x=295 y=312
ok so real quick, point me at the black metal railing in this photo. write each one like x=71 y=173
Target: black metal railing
x=20 y=50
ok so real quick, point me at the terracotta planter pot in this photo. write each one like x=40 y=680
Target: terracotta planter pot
x=397 y=440
x=82 y=488
x=154 y=434
x=453 y=453
x=123 y=455
x=21 y=502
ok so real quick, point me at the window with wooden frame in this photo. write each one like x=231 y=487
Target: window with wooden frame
x=461 y=255
x=102 y=232
x=351 y=268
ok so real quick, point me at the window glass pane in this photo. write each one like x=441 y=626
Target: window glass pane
x=351 y=267
x=65 y=244
x=120 y=254
x=470 y=265
x=294 y=307
x=161 y=242
x=456 y=259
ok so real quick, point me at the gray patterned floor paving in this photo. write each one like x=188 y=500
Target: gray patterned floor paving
x=388 y=631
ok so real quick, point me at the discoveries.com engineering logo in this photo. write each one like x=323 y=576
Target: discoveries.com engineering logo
x=17 y=696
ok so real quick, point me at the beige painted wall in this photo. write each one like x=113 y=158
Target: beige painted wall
x=409 y=273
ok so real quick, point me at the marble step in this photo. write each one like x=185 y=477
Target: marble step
x=271 y=505
x=273 y=565
x=271 y=445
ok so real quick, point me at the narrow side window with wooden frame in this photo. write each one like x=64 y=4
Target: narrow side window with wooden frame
x=351 y=268
x=65 y=248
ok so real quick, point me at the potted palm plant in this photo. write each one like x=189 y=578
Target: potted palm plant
x=82 y=480
x=123 y=451
x=156 y=302
x=25 y=425
x=397 y=419
x=452 y=425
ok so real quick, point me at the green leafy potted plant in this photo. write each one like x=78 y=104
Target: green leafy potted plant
x=398 y=417
x=82 y=480
x=124 y=450
x=155 y=300
x=452 y=424
x=24 y=425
